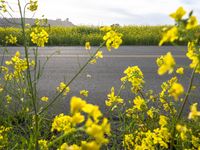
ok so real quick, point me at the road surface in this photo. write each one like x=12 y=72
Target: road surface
x=100 y=77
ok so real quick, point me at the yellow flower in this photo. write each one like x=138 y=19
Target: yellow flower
x=139 y=103
x=150 y=112
x=84 y=93
x=193 y=111
x=76 y=104
x=112 y=38
x=98 y=55
x=192 y=23
x=163 y=120
x=65 y=146
x=8 y=98
x=87 y=46
x=11 y=39
x=63 y=88
x=183 y=130
x=180 y=70
x=44 y=99
x=43 y=144
x=165 y=63
x=135 y=76
x=90 y=145
x=169 y=36
x=180 y=12
x=113 y=99
x=77 y=118
x=39 y=36
x=176 y=90
x=33 y=5
x=62 y=123
x=93 y=111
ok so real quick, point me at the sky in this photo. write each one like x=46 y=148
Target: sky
x=107 y=12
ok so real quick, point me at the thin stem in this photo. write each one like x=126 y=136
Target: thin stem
x=30 y=85
x=75 y=76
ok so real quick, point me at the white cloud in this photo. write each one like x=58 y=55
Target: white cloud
x=101 y=12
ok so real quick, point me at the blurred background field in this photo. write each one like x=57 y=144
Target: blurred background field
x=78 y=35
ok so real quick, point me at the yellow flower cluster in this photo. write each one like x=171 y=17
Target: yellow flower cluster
x=194 y=113
x=39 y=36
x=3 y=6
x=194 y=56
x=43 y=144
x=11 y=39
x=84 y=93
x=180 y=70
x=98 y=55
x=135 y=76
x=63 y=88
x=171 y=88
x=183 y=130
x=18 y=66
x=112 y=38
x=44 y=99
x=4 y=136
x=113 y=99
x=192 y=23
x=169 y=35
x=87 y=46
x=165 y=63
x=180 y=12
x=94 y=125
x=33 y=5
x=148 y=140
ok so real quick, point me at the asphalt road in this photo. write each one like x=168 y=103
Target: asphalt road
x=99 y=78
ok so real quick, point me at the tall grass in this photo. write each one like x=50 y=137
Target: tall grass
x=78 y=35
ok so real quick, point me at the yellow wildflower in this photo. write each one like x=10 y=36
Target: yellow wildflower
x=135 y=76
x=84 y=93
x=150 y=112
x=33 y=5
x=193 y=111
x=165 y=63
x=183 y=131
x=98 y=55
x=163 y=120
x=77 y=118
x=93 y=111
x=180 y=12
x=194 y=56
x=43 y=144
x=169 y=36
x=192 y=23
x=180 y=70
x=63 y=88
x=44 y=99
x=113 y=99
x=62 y=123
x=11 y=39
x=176 y=90
x=8 y=98
x=76 y=104
x=39 y=36
x=139 y=103
x=112 y=38
x=87 y=46
x=90 y=145
x=65 y=146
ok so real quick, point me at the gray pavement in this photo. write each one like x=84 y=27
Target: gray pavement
x=99 y=78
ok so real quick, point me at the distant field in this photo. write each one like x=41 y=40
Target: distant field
x=78 y=35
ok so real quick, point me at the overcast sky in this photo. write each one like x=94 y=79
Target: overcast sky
x=106 y=12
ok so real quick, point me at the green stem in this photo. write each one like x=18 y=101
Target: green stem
x=30 y=85
x=75 y=76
